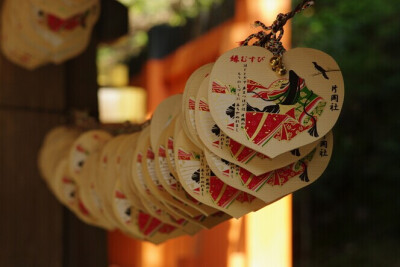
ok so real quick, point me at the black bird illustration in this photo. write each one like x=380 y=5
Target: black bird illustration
x=321 y=70
x=128 y=211
x=196 y=176
x=230 y=111
x=216 y=130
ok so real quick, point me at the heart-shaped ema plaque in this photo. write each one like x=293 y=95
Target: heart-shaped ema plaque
x=153 y=229
x=189 y=100
x=200 y=182
x=225 y=147
x=158 y=191
x=170 y=184
x=274 y=114
x=153 y=205
x=165 y=112
x=64 y=8
x=91 y=194
x=124 y=162
x=275 y=184
x=176 y=188
x=87 y=143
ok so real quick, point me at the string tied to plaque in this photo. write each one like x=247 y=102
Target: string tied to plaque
x=270 y=36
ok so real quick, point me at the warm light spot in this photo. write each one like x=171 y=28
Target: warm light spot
x=116 y=75
x=262 y=10
x=236 y=253
x=120 y=75
x=269 y=235
x=148 y=115
x=270 y=8
x=237 y=259
x=118 y=105
x=152 y=255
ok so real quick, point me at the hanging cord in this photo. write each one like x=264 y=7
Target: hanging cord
x=81 y=119
x=84 y=121
x=270 y=37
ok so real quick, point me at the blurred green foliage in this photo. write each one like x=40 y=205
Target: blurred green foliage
x=352 y=212
x=145 y=13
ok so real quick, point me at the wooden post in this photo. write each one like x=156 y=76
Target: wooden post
x=35 y=229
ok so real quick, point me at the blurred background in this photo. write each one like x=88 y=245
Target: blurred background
x=349 y=217
x=142 y=52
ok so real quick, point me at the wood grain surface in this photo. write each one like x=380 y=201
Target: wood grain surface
x=35 y=230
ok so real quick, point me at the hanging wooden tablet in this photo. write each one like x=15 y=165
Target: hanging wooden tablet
x=90 y=193
x=168 y=109
x=167 y=181
x=170 y=184
x=53 y=163
x=186 y=223
x=153 y=229
x=54 y=148
x=33 y=37
x=126 y=201
x=15 y=47
x=227 y=148
x=199 y=181
x=207 y=209
x=158 y=191
x=176 y=188
x=161 y=119
x=150 y=202
x=189 y=100
x=124 y=169
x=123 y=207
x=64 y=8
x=169 y=145
x=107 y=164
x=65 y=187
x=56 y=133
x=273 y=114
x=210 y=217
x=105 y=180
x=87 y=143
x=109 y=179
x=275 y=184
x=62 y=186
x=63 y=38
x=158 y=211
x=79 y=209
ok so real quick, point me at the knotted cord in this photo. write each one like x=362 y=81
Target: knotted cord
x=270 y=37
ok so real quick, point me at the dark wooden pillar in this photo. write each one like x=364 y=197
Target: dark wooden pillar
x=35 y=230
